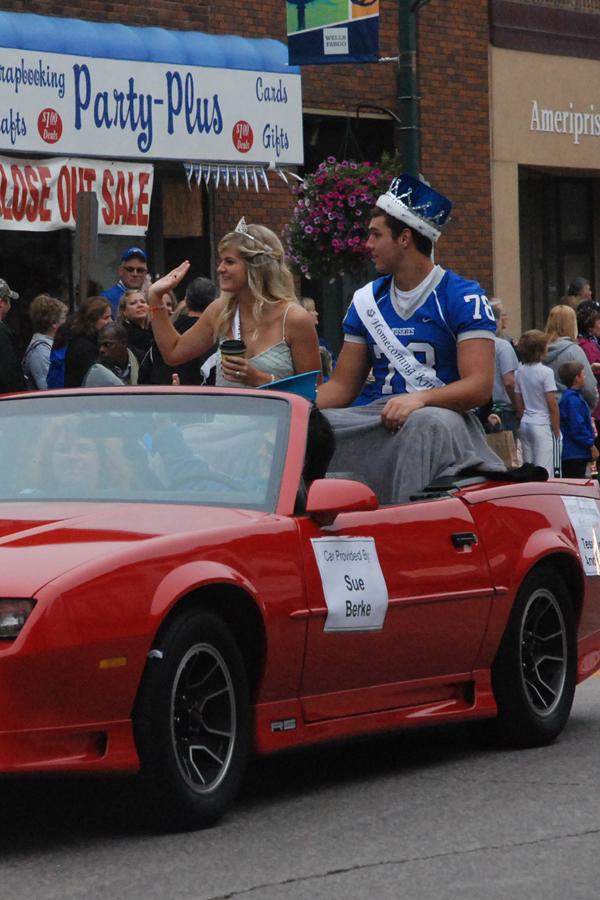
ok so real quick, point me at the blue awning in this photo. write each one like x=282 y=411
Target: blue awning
x=111 y=40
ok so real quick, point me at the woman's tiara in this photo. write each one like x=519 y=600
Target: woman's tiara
x=242 y=228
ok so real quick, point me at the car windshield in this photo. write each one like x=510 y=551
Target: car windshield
x=193 y=448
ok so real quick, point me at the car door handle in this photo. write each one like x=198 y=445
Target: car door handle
x=463 y=539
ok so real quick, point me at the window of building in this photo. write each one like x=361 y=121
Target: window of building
x=558 y=238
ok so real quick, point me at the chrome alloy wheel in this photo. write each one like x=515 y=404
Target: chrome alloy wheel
x=543 y=651
x=203 y=718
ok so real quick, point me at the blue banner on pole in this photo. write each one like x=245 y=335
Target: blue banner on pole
x=332 y=31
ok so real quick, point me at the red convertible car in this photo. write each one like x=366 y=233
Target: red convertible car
x=177 y=595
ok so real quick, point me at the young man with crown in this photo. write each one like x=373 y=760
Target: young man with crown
x=428 y=336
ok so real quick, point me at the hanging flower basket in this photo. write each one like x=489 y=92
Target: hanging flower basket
x=328 y=231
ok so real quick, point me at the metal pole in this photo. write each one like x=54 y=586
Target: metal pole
x=408 y=98
x=301 y=16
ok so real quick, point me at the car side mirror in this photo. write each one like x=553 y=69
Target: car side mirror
x=328 y=497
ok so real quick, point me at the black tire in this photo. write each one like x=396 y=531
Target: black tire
x=535 y=670
x=192 y=723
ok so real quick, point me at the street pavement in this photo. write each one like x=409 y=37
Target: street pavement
x=431 y=814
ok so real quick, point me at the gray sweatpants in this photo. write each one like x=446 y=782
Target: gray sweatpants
x=432 y=442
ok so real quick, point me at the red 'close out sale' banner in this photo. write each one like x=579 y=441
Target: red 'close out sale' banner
x=41 y=194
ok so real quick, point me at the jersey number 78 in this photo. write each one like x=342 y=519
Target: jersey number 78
x=481 y=302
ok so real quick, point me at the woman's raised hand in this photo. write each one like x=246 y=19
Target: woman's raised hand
x=165 y=284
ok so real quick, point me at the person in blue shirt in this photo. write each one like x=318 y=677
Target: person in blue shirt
x=575 y=423
x=427 y=335
x=132 y=274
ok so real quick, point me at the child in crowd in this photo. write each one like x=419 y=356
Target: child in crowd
x=575 y=423
x=536 y=405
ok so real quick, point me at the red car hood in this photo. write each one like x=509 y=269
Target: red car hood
x=41 y=541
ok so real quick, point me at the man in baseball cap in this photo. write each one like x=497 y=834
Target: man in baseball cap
x=11 y=376
x=132 y=272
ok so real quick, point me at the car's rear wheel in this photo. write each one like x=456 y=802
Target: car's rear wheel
x=534 y=673
x=192 y=722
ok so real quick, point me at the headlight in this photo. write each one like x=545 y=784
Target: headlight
x=13 y=615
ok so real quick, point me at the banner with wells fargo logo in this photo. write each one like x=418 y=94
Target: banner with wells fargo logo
x=332 y=31
x=41 y=194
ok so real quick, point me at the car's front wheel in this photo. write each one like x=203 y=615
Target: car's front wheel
x=192 y=722
x=534 y=673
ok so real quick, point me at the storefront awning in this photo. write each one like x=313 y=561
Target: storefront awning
x=111 y=40
x=125 y=92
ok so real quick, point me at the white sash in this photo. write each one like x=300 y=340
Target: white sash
x=209 y=364
x=417 y=375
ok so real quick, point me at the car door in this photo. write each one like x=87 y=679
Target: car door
x=438 y=602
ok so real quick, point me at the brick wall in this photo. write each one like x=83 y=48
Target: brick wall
x=260 y=18
x=455 y=129
x=270 y=208
x=163 y=13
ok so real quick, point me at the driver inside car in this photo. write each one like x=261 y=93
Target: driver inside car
x=183 y=468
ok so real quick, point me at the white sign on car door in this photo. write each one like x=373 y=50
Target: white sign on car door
x=353 y=584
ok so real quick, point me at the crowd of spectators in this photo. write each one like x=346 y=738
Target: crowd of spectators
x=109 y=340
x=546 y=390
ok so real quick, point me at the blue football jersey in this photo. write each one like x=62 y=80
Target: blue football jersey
x=455 y=308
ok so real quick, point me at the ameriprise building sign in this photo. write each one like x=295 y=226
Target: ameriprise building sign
x=58 y=103
x=565 y=121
